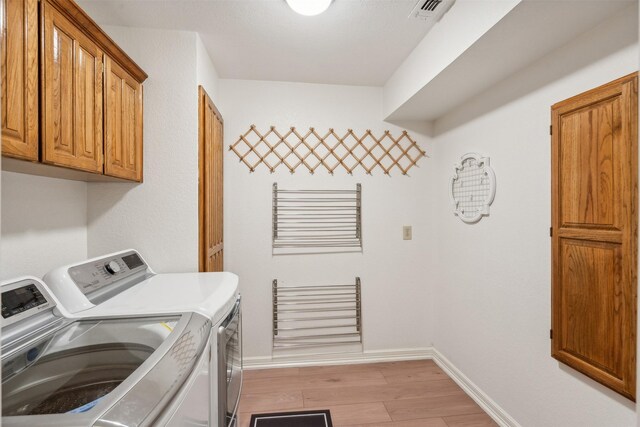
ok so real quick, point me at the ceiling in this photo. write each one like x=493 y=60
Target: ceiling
x=355 y=42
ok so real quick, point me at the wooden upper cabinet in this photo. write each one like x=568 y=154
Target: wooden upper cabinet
x=19 y=56
x=71 y=94
x=594 y=178
x=122 y=123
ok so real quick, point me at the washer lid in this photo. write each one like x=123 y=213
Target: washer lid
x=210 y=294
x=117 y=371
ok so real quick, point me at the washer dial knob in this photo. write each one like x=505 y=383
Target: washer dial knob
x=112 y=267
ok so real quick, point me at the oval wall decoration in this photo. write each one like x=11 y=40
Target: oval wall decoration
x=472 y=187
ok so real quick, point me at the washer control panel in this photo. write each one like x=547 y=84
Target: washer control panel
x=112 y=267
x=96 y=275
x=22 y=299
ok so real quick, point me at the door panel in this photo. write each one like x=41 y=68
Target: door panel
x=123 y=123
x=19 y=56
x=61 y=111
x=594 y=244
x=591 y=298
x=71 y=95
x=211 y=185
x=587 y=160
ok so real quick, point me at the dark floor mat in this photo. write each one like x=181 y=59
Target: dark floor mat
x=292 y=419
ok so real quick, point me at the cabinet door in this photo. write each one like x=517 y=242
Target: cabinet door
x=19 y=56
x=211 y=153
x=71 y=94
x=123 y=123
x=595 y=231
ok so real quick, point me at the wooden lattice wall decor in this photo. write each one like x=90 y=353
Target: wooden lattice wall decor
x=330 y=150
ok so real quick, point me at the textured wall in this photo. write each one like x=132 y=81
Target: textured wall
x=493 y=286
x=205 y=70
x=458 y=29
x=395 y=273
x=160 y=216
x=44 y=224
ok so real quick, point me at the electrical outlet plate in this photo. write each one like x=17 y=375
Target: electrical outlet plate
x=406 y=232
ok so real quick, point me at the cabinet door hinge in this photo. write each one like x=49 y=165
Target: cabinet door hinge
x=550 y=334
x=550 y=129
x=550 y=231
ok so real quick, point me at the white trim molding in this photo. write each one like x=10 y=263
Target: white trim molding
x=494 y=410
x=337 y=358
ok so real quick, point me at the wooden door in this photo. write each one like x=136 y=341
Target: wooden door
x=594 y=179
x=122 y=123
x=71 y=94
x=210 y=184
x=19 y=56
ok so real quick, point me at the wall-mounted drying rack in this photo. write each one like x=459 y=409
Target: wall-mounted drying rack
x=316 y=316
x=317 y=220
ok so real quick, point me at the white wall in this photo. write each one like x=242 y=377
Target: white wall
x=397 y=304
x=206 y=72
x=459 y=28
x=160 y=216
x=493 y=287
x=48 y=222
x=44 y=224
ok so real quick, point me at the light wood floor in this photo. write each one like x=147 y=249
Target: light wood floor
x=395 y=394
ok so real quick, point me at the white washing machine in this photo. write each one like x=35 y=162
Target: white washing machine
x=123 y=284
x=94 y=371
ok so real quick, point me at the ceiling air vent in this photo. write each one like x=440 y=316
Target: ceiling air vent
x=431 y=10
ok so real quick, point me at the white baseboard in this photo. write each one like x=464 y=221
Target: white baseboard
x=336 y=358
x=494 y=410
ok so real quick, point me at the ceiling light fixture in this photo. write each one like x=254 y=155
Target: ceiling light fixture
x=309 y=7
